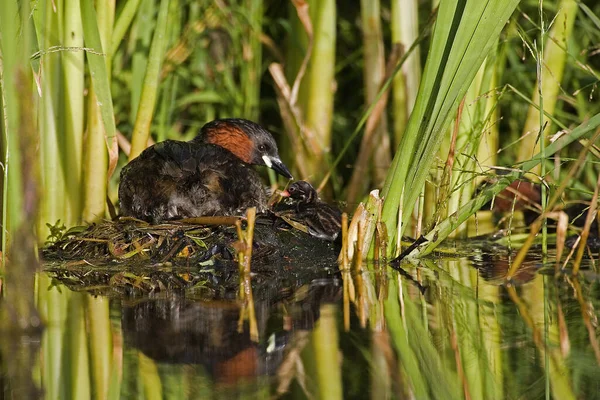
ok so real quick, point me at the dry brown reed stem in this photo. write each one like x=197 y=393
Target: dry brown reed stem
x=270 y=45
x=290 y=115
x=571 y=252
x=591 y=215
x=563 y=330
x=358 y=254
x=346 y=277
x=366 y=144
x=381 y=277
x=525 y=314
x=562 y=226
x=376 y=247
x=244 y=262
x=291 y=367
x=304 y=17
x=361 y=299
x=420 y=213
x=213 y=221
x=357 y=274
x=344 y=267
x=444 y=193
x=345 y=243
x=352 y=233
x=379 y=253
x=251 y=218
x=399 y=226
x=125 y=145
x=520 y=257
x=384 y=242
x=586 y=311
x=381 y=232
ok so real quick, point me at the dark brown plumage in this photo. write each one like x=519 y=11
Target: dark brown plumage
x=209 y=175
x=321 y=219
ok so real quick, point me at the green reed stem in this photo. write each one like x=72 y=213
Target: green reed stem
x=141 y=129
x=12 y=61
x=326 y=353
x=123 y=23
x=463 y=35
x=101 y=128
x=542 y=140
x=74 y=101
x=251 y=73
x=77 y=348
x=51 y=128
x=553 y=61
x=405 y=30
x=99 y=343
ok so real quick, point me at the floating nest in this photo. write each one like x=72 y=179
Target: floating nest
x=131 y=256
x=130 y=241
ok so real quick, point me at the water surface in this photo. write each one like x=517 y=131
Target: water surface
x=443 y=328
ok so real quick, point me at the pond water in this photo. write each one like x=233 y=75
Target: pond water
x=443 y=328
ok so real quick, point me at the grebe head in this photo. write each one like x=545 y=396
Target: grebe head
x=247 y=140
x=302 y=191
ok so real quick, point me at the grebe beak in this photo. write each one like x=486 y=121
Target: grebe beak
x=277 y=165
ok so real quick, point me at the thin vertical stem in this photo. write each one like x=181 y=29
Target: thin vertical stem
x=100 y=115
x=141 y=129
x=74 y=105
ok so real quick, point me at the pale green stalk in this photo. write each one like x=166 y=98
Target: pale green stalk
x=312 y=100
x=141 y=129
x=474 y=121
x=373 y=76
x=52 y=142
x=100 y=344
x=77 y=347
x=100 y=117
x=488 y=146
x=52 y=305
x=123 y=23
x=140 y=40
x=381 y=375
x=11 y=62
x=405 y=31
x=465 y=315
x=374 y=149
x=169 y=88
x=74 y=87
x=251 y=72
x=552 y=67
x=319 y=80
x=95 y=163
x=172 y=378
x=491 y=337
x=544 y=202
x=148 y=373
x=326 y=353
